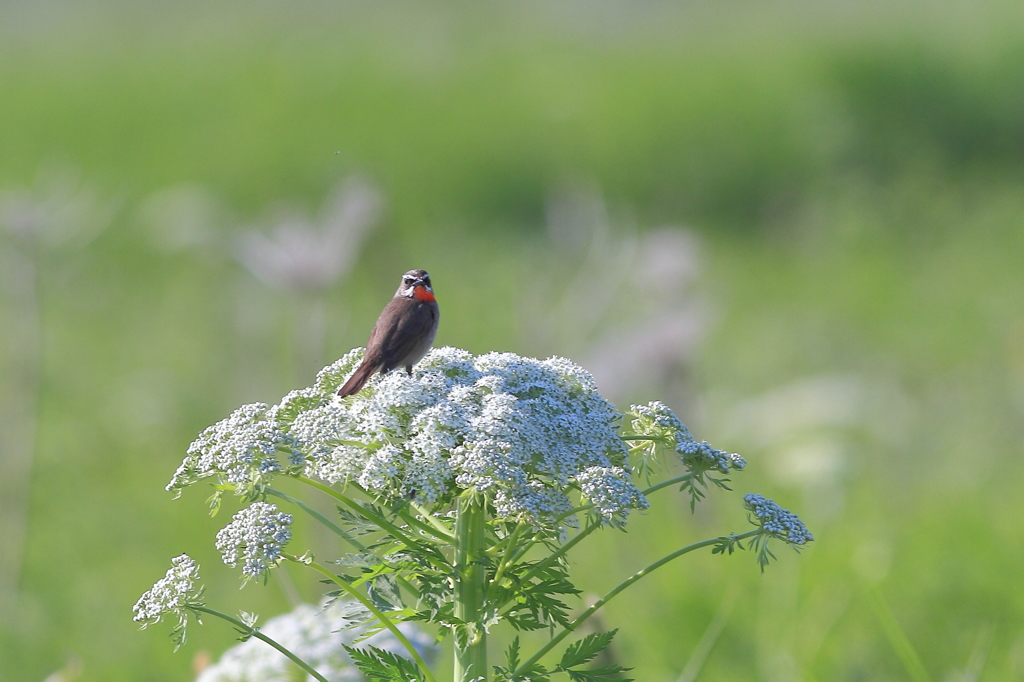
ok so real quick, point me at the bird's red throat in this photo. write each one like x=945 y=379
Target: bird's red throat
x=424 y=294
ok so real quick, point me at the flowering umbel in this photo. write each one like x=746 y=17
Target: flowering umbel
x=777 y=522
x=255 y=535
x=172 y=595
x=525 y=432
x=452 y=482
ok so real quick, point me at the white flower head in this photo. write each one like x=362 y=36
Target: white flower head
x=244 y=449
x=519 y=429
x=525 y=432
x=172 y=595
x=256 y=536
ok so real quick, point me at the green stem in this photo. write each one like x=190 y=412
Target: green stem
x=619 y=588
x=384 y=620
x=384 y=524
x=437 y=531
x=319 y=517
x=582 y=534
x=337 y=529
x=664 y=484
x=470 y=575
x=433 y=521
x=430 y=529
x=509 y=550
x=255 y=632
x=560 y=551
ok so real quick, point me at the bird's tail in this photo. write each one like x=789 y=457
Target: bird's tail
x=356 y=381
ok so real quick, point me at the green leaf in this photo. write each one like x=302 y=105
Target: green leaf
x=357 y=525
x=360 y=560
x=535 y=673
x=385 y=593
x=214 y=501
x=585 y=649
x=605 y=673
x=512 y=655
x=378 y=665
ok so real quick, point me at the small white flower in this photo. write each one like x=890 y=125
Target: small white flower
x=257 y=535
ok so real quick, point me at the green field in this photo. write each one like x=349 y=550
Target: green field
x=846 y=181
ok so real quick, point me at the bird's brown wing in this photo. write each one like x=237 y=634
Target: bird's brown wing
x=408 y=321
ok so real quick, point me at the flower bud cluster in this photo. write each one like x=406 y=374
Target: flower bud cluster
x=256 y=534
x=657 y=420
x=780 y=523
x=171 y=594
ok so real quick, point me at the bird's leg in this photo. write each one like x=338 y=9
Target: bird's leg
x=408 y=368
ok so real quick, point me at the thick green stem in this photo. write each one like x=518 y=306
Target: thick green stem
x=377 y=613
x=470 y=572
x=619 y=588
x=254 y=632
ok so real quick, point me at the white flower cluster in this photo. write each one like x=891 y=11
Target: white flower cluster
x=657 y=420
x=256 y=534
x=240 y=449
x=524 y=431
x=316 y=636
x=171 y=594
x=611 y=491
x=781 y=523
x=520 y=429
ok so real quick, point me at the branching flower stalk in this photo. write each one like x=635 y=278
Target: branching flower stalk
x=460 y=491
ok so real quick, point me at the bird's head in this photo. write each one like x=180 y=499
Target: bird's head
x=416 y=284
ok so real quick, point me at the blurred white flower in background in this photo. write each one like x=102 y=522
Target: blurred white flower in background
x=301 y=254
x=616 y=297
x=57 y=209
x=315 y=635
x=303 y=258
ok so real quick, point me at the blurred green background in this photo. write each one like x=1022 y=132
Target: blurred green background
x=799 y=223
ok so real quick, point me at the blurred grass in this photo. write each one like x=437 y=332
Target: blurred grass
x=855 y=174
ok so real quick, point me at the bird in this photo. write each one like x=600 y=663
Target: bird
x=403 y=334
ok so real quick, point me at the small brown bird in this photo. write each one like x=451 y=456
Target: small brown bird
x=403 y=333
